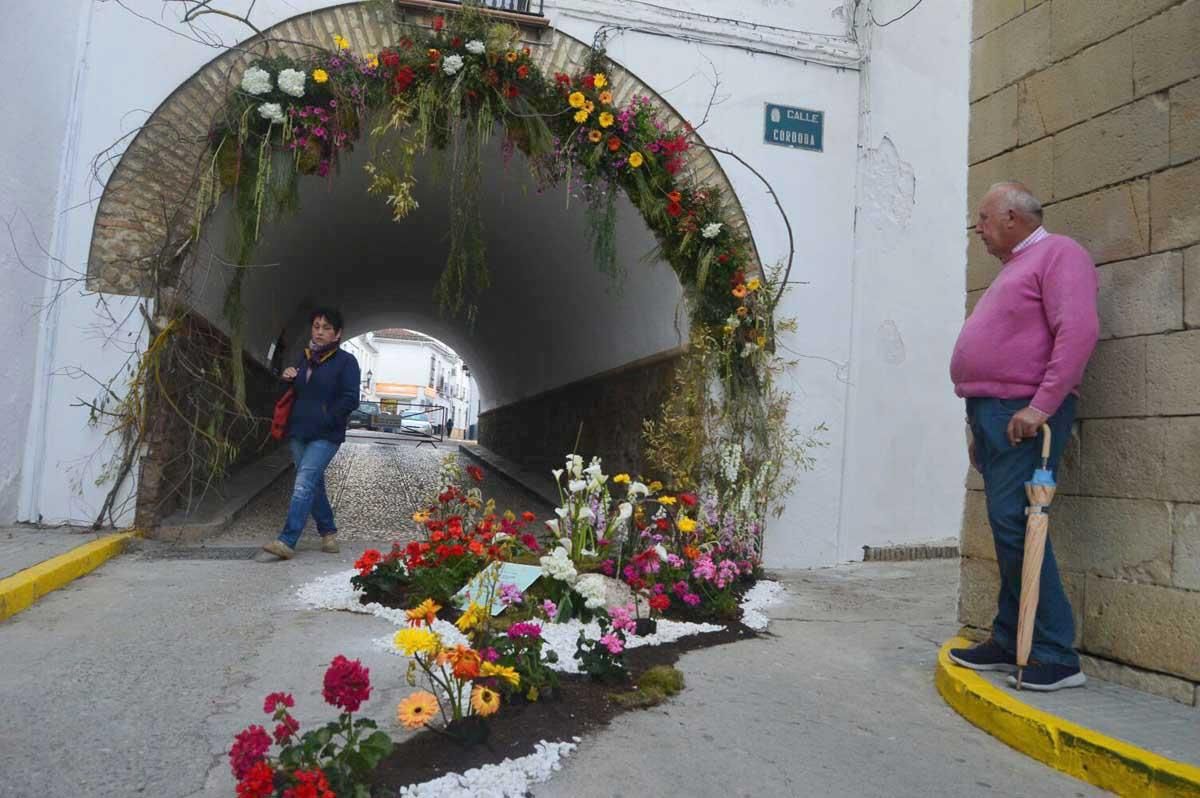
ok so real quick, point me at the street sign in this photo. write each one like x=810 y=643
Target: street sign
x=800 y=128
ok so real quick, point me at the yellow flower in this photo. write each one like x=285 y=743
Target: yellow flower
x=606 y=97
x=485 y=701
x=372 y=60
x=511 y=56
x=341 y=42
x=502 y=672
x=599 y=80
x=426 y=611
x=576 y=99
x=667 y=500
x=421 y=516
x=589 y=106
x=416 y=710
x=685 y=524
x=472 y=616
x=320 y=75
x=753 y=284
x=416 y=640
x=728 y=328
x=594 y=136
x=581 y=116
x=606 y=119
x=636 y=159
x=621 y=479
x=762 y=340
x=655 y=486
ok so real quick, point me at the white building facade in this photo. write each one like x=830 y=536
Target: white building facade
x=415 y=369
x=875 y=213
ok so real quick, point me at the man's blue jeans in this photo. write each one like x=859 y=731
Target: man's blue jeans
x=308 y=495
x=1005 y=470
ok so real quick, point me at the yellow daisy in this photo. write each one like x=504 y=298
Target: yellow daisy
x=753 y=284
x=416 y=710
x=576 y=99
x=636 y=159
x=685 y=524
x=426 y=611
x=621 y=479
x=581 y=116
x=341 y=42
x=485 y=701
x=502 y=672
x=416 y=640
x=667 y=500
x=470 y=618
x=599 y=80
x=606 y=119
x=320 y=75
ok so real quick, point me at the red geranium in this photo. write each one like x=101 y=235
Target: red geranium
x=347 y=684
x=523 y=71
x=309 y=784
x=249 y=747
x=530 y=542
x=475 y=472
x=366 y=563
x=272 y=702
x=404 y=78
x=588 y=81
x=390 y=59
x=674 y=208
x=286 y=727
x=689 y=499
x=660 y=602
x=456 y=42
x=259 y=782
x=439 y=23
x=510 y=90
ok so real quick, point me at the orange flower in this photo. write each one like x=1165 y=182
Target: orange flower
x=691 y=552
x=594 y=136
x=742 y=310
x=417 y=710
x=425 y=612
x=434 y=54
x=674 y=196
x=606 y=97
x=465 y=662
x=525 y=51
x=614 y=144
x=739 y=291
x=511 y=56
x=485 y=701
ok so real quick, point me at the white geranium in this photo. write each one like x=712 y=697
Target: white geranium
x=272 y=111
x=291 y=81
x=475 y=47
x=591 y=587
x=451 y=64
x=711 y=230
x=558 y=565
x=256 y=80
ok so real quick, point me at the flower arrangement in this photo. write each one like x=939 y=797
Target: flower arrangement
x=335 y=759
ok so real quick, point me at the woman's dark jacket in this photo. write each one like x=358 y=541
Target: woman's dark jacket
x=325 y=400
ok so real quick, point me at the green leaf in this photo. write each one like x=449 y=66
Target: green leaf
x=702 y=269
x=324 y=734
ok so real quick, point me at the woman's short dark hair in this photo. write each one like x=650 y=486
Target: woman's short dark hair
x=331 y=315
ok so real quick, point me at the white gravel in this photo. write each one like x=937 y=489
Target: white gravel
x=508 y=779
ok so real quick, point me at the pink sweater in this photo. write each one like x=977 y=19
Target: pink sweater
x=1033 y=330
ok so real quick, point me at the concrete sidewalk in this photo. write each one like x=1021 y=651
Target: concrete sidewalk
x=23 y=547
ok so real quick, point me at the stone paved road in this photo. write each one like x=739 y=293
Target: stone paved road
x=375 y=483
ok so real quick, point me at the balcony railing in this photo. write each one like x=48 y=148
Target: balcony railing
x=532 y=8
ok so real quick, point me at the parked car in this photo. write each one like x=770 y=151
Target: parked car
x=417 y=425
x=363 y=417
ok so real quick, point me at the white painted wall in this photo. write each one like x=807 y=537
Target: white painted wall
x=878 y=480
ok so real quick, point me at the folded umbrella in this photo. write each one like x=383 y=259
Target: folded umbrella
x=1040 y=492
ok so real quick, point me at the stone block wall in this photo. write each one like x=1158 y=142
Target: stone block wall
x=1095 y=104
x=605 y=412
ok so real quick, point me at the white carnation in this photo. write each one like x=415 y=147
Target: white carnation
x=291 y=81
x=711 y=230
x=475 y=47
x=451 y=64
x=272 y=111
x=591 y=587
x=256 y=80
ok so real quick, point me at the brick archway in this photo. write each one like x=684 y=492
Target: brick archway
x=148 y=208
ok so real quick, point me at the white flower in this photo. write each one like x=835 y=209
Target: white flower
x=586 y=512
x=662 y=552
x=638 y=489
x=575 y=466
x=591 y=587
x=475 y=47
x=256 y=80
x=291 y=81
x=576 y=485
x=558 y=565
x=624 y=511
x=557 y=472
x=553 y=527
x=711 y=230
x=501 y=537
x=749 y=349
x=272 y=111
x=451 y=64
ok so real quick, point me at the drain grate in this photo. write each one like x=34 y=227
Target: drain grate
x=200 y=553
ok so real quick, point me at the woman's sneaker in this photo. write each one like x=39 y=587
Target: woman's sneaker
x=1048 y=678
x=280 y=550
x=987 y=656
x=329 y=543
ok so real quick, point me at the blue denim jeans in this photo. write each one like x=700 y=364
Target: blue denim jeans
x=308 y=495
x=1005 y=470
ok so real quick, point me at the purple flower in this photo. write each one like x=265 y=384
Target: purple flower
x=490 y=654
x=550 y=608
x=674 y=560
x=510 y=594
x=335 y=62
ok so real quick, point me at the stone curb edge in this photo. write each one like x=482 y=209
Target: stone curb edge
x=1107 y=762
x=19 y=591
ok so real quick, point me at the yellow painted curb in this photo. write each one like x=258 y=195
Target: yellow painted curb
x=1083 y=753
x=23 y=588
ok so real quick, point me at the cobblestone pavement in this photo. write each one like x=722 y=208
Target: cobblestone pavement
x=375 y=485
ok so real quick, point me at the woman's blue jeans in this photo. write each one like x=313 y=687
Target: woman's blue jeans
x=308 y=495
x=1005 y=470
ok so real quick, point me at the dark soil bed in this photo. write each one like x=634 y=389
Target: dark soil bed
x=583 y=705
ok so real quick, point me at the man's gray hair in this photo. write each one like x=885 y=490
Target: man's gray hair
x=1018 y=197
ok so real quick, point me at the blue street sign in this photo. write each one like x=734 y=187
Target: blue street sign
x=794 y=127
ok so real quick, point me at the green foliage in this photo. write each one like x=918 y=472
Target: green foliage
x=653 y=687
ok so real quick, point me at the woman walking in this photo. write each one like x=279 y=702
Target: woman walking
x=326 y=385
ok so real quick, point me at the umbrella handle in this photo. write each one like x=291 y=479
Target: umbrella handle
x=1045 y=445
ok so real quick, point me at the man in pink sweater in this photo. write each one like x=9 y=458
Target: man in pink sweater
x=1018 y=362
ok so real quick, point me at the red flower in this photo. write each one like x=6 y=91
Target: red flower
x=259 y=782
x=439 y=23
x=347 y=684
x=588 y=81
x=365 y=564
x=285 y=729
x=660 y=602
x=456 y=42
x=390 y=59
x=523 y=71
x=475 y=472
x=510 y=90
x=674 y=208
x=492 y=77
x=476 y=548
x=614 y=144
x=688 y=499
x=525 y=51
x=249 y=747
x=528 y=516
x=404 y=78
x=530 y=542
x=562 y=79
x=272 y=702
x=723 y=257
x=662 y=523
x=406 y=43
x=309 y=784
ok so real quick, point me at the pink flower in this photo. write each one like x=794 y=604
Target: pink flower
x=510 y=594
x=691 y=599
x=705 y=569
x=272 y=702
x=524 y=629
x=607 y=568
x=674 y=560
x=490 y=654
x=550 y=608
x=621 y=618
x=319 y=132
x=249 y=747
x=613 y=643
x=347 y=684
x=323 y=168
